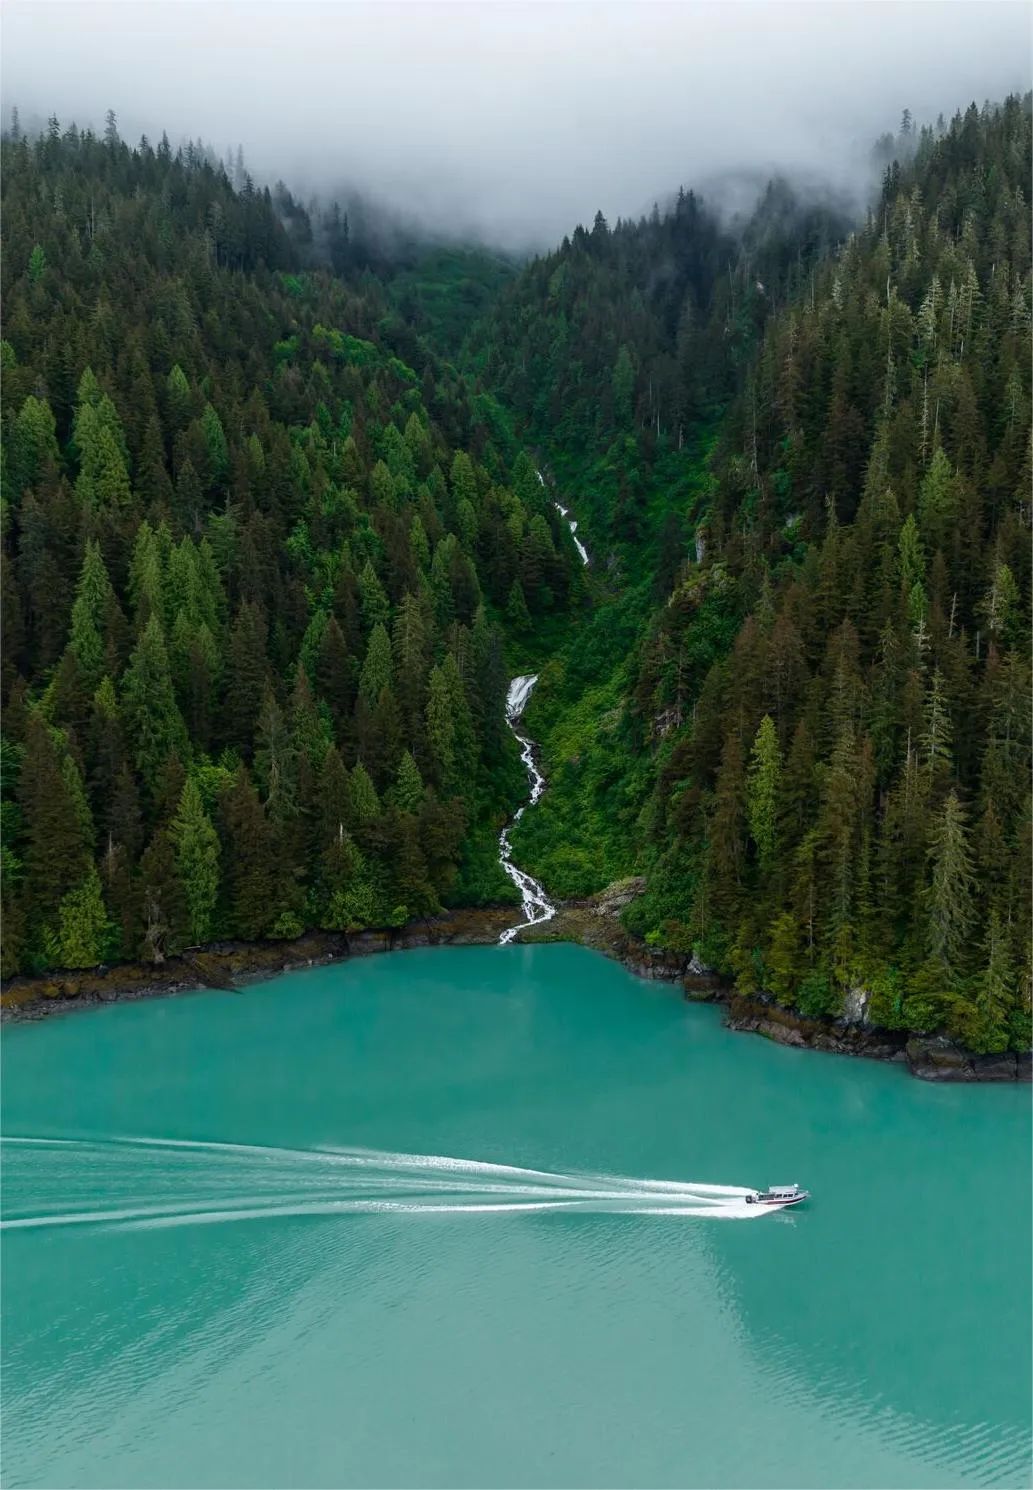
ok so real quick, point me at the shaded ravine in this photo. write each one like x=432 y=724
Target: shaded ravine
x=536 y=905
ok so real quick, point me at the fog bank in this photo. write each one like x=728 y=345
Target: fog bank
x=514 y=122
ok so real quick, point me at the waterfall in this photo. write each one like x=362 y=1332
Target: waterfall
x=572 y=525
x=536 y=904
x=571 y=522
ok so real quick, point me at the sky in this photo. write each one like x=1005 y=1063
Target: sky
x=514 y=122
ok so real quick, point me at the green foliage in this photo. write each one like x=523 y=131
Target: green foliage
x=763 y=790
x=268 y=555
x=818 y=998
x=196 y=847
x=94 y=603
x=83 y=929
x=154 y=723
x=789 y=730
x=257 y=558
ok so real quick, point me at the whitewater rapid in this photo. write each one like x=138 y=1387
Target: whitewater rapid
x=191 y=1182
x=571 y=522
x=535 y=904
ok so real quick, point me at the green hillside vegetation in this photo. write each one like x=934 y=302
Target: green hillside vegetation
x=275 y=539
x=814 y=741
x=260 y=550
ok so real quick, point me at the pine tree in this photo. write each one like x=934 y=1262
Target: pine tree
x=763 y=790
x=517 y=614
x=83 y=930
x=249 y=851
x=623 y=388
x=335 y=671
x=375 y=607
x=164 y=917
x=408 y=788
x=937 y=500
x=995 y=991
x=196 y=846
x=153 y=722
x=32 y=445
x=94 y=601
x=365 y=804
x=376 y=668
x=56 y=851
x=246 y=672
x=216 y=448
x=146 y=583
x=440 y=727
x=950 y=891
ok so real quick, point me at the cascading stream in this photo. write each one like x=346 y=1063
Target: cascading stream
x=564 y=512
x=537 y=906
x=571 y=522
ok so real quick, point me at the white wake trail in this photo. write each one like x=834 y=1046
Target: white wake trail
x=165 y=1182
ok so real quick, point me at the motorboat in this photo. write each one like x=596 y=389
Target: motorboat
x=778 y=1195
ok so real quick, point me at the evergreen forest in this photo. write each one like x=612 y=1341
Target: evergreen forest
x=275 y=541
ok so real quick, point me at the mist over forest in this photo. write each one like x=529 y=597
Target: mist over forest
x=293 y=466
x=509 y=124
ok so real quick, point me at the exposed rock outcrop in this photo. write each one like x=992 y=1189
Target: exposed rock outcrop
x=936 y=1058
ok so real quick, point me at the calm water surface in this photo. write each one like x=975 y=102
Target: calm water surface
x=262 y=1305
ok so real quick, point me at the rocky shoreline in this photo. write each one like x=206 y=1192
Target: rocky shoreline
x=592 y=923
x=232 y=965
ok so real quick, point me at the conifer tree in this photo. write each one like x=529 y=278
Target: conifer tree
x=83 y=930
x=950 y=891
x=33 y=444
x=153 y=722
x=763 y=790
x=408 y=788
x=196 y=848
x=246 y=673
x=94 y=601
x=58 y=829
x=376 y=668
x=250 y=849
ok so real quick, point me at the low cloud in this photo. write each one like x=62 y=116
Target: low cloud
x=515 y=122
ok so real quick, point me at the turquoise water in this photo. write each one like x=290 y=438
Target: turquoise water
x=292 y=1298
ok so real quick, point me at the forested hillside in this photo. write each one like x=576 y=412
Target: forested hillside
x=817 y=745
x=259 y=550
x=624 y=346
x=270 y=559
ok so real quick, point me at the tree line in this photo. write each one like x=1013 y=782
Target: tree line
x=263 y=554
x=814 y=739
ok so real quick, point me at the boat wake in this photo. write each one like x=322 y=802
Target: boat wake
x=151 y=1183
